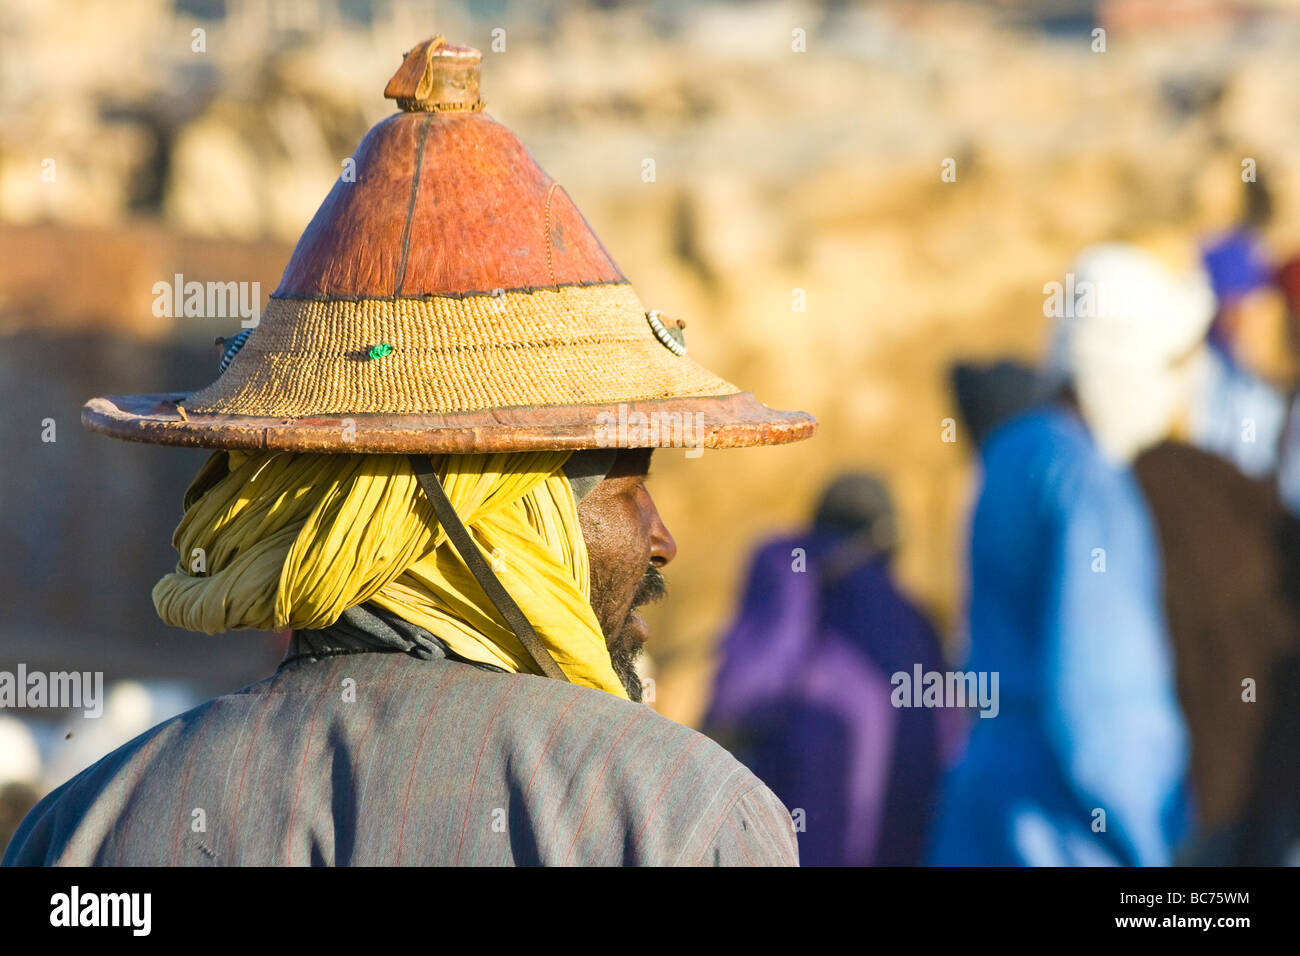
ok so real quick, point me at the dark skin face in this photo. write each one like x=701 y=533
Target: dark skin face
x=627 y=546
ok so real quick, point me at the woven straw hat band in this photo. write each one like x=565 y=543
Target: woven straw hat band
x=565 y=346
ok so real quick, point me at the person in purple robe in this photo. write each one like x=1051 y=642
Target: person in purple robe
x=803 y=695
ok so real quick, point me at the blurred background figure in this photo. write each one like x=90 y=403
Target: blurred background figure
x=1230 y=583
x=989 y=395
x=1085 y=762
x=1244 y=378
x=1288 y=471
x=803 y=693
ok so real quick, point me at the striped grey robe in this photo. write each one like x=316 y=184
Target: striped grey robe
x=364 y=757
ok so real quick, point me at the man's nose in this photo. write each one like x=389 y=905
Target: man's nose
x=662 y=546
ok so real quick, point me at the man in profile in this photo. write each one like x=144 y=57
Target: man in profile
x=410 y=475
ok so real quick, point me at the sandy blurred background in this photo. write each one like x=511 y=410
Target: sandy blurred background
x=776 y=171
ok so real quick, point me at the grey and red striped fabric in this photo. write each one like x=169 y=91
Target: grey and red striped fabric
x=381 y=758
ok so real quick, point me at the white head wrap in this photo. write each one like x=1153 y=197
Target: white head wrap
x=1124 y=320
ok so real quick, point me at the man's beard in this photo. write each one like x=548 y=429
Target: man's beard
x=625 y=649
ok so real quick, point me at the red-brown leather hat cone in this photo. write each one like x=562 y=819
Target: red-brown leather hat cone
x=450 y=297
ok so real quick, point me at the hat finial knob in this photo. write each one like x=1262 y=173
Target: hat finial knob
x=437 y=77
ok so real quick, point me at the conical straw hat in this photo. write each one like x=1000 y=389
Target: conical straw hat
x=450 y=298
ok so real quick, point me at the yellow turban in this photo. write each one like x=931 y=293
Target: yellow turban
x=274 y=540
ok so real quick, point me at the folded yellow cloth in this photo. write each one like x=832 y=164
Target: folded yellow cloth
x=274 y=540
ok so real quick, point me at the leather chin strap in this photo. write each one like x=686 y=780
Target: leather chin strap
x=478 y=566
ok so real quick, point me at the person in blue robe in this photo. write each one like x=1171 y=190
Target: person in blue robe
x=1085 y=762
